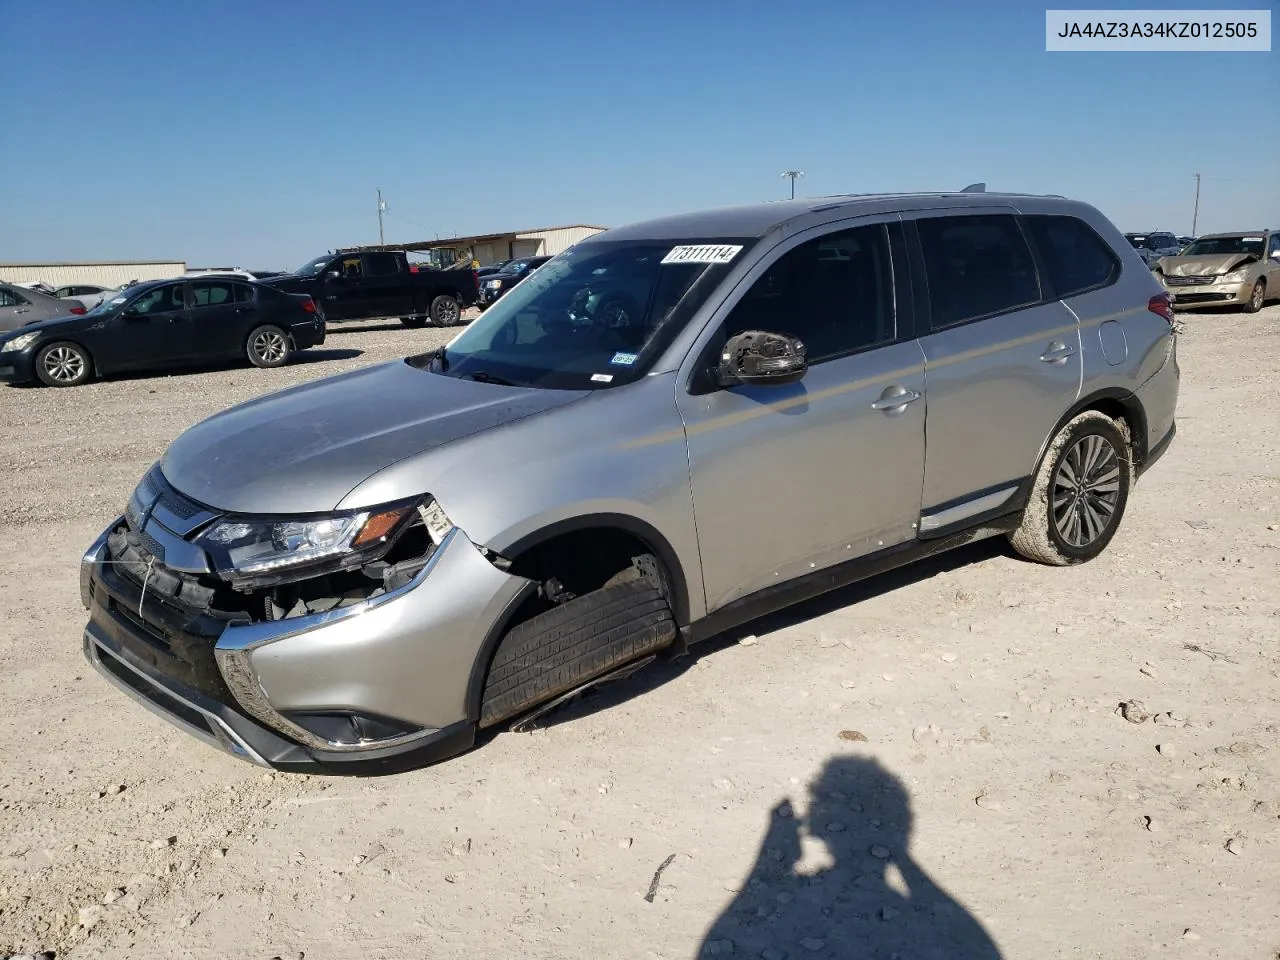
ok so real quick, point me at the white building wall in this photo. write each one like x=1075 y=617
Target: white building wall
x=559 y=239
x=111 y=274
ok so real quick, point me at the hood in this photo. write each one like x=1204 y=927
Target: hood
x=303 y=449
x=68 y=322
x=1203 y=266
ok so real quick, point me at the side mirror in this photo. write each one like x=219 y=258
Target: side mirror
x=132 y=313
x=760 y=357
x=333 y=275
x=1275 y=254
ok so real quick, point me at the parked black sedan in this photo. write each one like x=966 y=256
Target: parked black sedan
x=495 y=285
x=162 y=323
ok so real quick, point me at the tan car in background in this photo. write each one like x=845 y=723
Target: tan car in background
x=1223 y=269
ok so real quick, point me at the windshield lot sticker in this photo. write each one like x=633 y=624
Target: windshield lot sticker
x=602 y=378
x=703 y=253
x=623 y=359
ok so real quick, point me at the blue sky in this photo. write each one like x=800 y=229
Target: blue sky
x=256 y=134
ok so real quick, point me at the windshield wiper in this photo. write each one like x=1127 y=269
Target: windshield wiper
x=481 y=376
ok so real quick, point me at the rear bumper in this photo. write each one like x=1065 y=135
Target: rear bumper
x=409 y=657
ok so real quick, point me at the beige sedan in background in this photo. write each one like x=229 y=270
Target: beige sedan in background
x=1223 y=269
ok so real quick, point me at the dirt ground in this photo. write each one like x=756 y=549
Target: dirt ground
x=937 y=751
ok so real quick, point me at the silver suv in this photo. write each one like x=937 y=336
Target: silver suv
x=669 y=430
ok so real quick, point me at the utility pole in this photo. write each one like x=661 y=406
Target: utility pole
x=382 y=206
x=1196 y=215
x=793 y=174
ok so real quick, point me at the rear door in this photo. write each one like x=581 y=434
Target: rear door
x=217 y=327
x=388 y=286
x=15 y=309
x=1002 y=365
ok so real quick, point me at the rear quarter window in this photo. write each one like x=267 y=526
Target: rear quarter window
x=1075 y=258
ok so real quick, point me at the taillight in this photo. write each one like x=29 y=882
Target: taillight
x=309 y=306
x=1162 y=305
x=79 y=311
x=413 y=268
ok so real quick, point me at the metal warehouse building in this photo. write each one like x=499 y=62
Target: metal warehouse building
x=103 y=273
x=495 y=247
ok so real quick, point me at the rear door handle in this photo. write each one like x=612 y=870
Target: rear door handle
x=895 y=398
x=1057 y=352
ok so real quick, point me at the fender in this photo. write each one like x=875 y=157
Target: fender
x=677 y=583
x=1127 y=400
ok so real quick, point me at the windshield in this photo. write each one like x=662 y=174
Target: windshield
x=596 y=316
x=312 y=267
x=1221 y=246
x=517 y=266
x=109 y=304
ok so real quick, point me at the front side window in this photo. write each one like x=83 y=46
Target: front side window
x=10 y=298
x=976 y=267
x=1075 y=258
x=159 y=300
x=381 y=264
x=834 y=293
x=1273 y=246
x=350 y=268
x=594 y=317
x=212 y=293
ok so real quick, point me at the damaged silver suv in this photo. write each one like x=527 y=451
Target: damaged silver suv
x=671 y=429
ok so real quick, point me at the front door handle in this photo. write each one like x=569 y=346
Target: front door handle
x=1057 y=352
x=895 y=398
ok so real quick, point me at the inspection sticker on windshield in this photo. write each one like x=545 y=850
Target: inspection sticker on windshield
x=623 y=359
x=703 y=253
x=602 y=378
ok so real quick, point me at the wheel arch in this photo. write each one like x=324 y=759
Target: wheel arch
x=1123 y=405
x=95 y=367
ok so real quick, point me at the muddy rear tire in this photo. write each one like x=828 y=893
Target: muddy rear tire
x=559 y=650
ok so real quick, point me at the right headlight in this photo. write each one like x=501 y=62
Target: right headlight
x=17 y=343
x=1235 y=276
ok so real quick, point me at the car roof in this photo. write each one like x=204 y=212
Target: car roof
x=1234 y=233
x=758 y=219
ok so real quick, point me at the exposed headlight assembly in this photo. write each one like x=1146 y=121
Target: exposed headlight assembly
x=251 y=551
x=17 y=343
x=1235 y=276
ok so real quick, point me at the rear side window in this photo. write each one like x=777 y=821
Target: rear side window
x=1075 y=258
x=9 y=298
x=211 y=293
x=976 y=267
x=381 y=264
x=244 y=293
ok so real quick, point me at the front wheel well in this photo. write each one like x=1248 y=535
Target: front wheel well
x=583 y=560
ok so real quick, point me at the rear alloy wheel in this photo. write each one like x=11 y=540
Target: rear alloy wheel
x=1080 y=493
x=445 y=311
x=269 y=346
x=1257 y=297
x=63 y=365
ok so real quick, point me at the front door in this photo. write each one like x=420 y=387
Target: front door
x=789 y=479
x=151 y=330
x=1002 y=366
x=388 y=292
x=345 y=297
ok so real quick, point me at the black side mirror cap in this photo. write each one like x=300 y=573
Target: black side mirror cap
x=761 y=357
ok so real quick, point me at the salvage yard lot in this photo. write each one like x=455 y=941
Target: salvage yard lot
x=979 y=689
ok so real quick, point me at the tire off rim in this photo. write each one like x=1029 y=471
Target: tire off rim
x=1086 y=490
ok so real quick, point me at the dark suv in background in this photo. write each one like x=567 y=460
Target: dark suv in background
x=1152 y=246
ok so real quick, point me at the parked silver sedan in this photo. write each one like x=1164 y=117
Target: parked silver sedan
x=89 y=294
x=1224 y=269
x=20 y=306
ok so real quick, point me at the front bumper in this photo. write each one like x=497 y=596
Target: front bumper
x=410 y=655
x=1207 y=294
x=18 y=366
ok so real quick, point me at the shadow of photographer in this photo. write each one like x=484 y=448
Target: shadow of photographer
x=862 y=898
